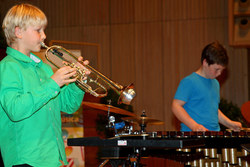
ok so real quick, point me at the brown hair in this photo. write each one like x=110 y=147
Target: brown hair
x=215 y=53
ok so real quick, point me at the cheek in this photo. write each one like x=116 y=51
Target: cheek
x=219 y=73
x=216 y=73
x=212 y=73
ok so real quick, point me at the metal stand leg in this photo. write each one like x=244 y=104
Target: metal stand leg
x=104 y=163
x=134 y=159
x=113 y=163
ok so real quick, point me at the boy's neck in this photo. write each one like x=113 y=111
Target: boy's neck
x=20 y=49
x=201 y=72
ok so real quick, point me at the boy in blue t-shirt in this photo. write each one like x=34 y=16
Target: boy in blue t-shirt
x=196 y=102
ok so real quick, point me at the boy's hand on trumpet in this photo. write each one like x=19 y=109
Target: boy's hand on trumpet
x=64 y=75
x=67 y=74
x=81 y=64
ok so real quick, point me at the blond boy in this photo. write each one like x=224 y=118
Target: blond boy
x=31 y=95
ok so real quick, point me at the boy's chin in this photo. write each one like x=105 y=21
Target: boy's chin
x=37 y=50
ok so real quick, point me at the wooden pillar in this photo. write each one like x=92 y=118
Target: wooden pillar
x=248 y=73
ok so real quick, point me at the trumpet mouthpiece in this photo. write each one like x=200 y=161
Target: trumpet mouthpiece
x=43 y=45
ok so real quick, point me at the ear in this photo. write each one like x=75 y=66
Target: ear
x=18 y=32
x=204 y=62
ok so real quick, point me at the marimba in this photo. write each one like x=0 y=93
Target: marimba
x=196 y=149
x=221 y=149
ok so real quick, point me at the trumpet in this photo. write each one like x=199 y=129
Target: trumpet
x=96 y=83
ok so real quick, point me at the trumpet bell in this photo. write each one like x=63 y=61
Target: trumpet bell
x=127 y=95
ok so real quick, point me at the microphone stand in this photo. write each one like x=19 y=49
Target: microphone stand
x=111 y=119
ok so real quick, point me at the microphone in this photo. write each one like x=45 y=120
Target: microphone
x=112 y=121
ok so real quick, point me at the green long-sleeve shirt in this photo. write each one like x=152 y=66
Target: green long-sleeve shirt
x=30 y=118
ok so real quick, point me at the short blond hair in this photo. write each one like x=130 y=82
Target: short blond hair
x=22 y=15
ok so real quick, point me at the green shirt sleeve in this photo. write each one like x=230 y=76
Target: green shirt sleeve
x=72 y=94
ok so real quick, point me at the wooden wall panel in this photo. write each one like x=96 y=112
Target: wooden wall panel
x=171 y=70
x=94 y=12
x=100 y=35
x=59 y=13
x=61 y=33
x=149 y=69
x=123 y=53
x=148 y=10
x=216 y=29
x=75 y=12
x=195 y=9
x=236 y=87
x=122 y=11
x=174 y=9
x=215 y=9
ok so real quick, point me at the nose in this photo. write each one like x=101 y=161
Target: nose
x=43 y=36
x=218 y=73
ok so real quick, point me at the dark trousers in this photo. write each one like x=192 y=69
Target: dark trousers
x=23 y=165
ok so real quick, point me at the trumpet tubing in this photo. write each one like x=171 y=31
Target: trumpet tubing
x=96 y=83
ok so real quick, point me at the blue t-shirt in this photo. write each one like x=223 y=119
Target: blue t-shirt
x=202 y=97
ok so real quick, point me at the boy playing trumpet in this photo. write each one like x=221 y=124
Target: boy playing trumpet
x=31 y=96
